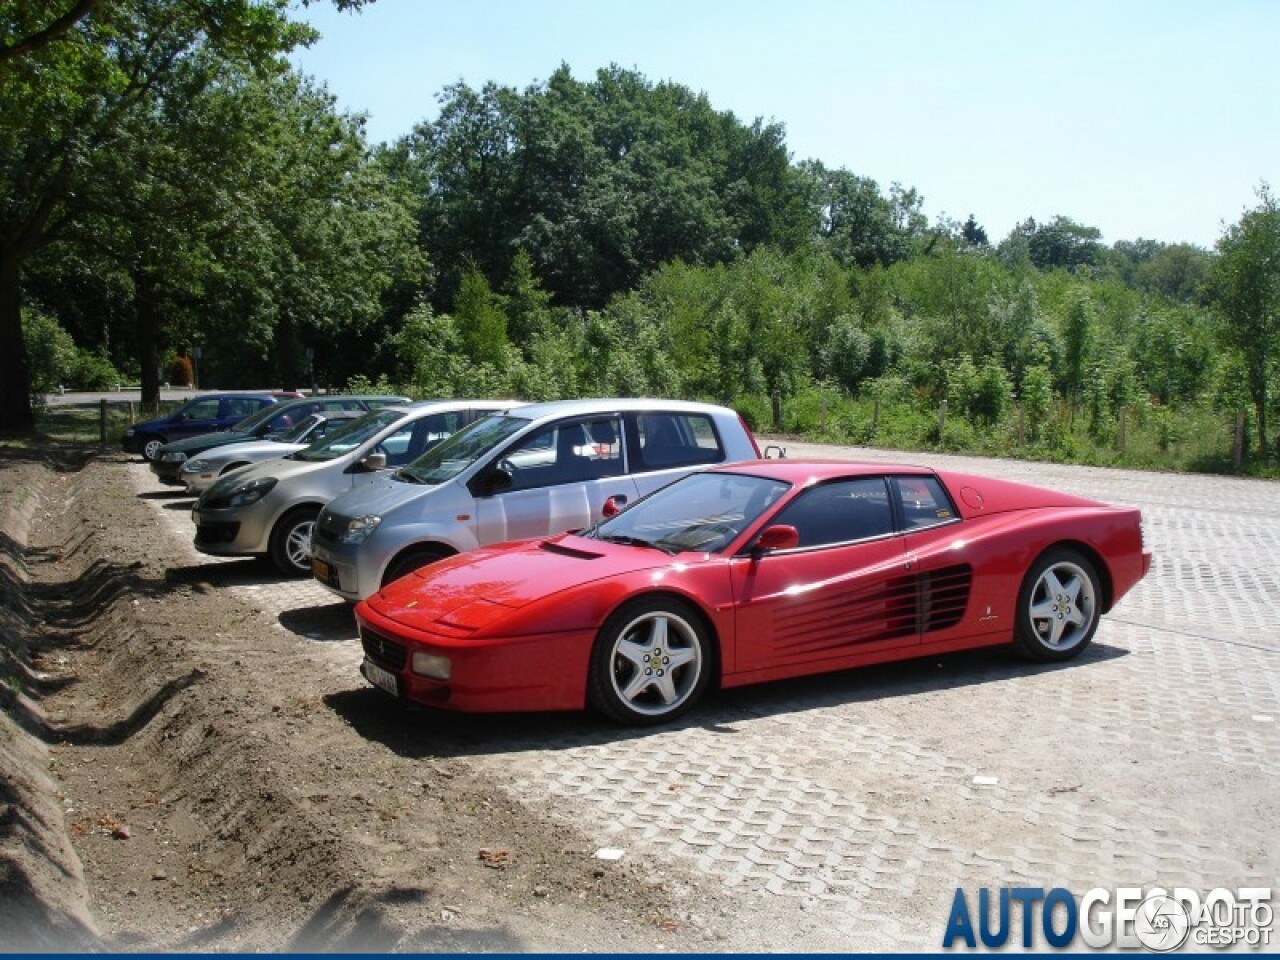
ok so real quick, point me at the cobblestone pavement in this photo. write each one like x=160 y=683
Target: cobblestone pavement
x=842 y=812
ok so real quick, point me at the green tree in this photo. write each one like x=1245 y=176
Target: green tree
x=526 y=302
x=1246 y=283
x=1078 y=341
x=1060 y=244
x=855 y=222
x=481 y=324
x=68 y=152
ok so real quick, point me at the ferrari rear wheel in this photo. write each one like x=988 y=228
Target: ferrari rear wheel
x=1058 y=606
x=651 y=662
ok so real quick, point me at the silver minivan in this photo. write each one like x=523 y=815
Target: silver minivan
x=268 y=509
x=532 y=471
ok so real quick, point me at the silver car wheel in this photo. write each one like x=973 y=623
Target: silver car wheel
x=151 y=448
x=291 y=541
x=298 y=544
x=656 y=663
x=1063 y=606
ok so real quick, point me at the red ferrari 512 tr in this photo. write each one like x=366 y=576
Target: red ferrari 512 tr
x=753 y=572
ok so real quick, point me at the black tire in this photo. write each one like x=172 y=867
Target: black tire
x=1059 y=606
x=632 y=678
x=291 y=541
x=410 y=561
x=150 y=447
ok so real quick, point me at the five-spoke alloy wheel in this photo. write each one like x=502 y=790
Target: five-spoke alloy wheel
x=1058 y=606
x=651 y=662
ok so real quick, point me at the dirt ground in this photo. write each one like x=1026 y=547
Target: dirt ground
x=180 y=776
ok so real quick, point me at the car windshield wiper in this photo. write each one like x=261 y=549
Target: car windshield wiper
x=634 y=542
x=407 y=477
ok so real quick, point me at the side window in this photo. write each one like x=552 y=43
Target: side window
x=924 y=502
x=840 y=512
x=343 y=405
x=397 y=446
x=573 y=451
x=202 y=410
x=429 y=431
x=241 y=407
x=665 y=440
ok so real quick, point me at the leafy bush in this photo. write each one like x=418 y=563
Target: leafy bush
x=95 y=372
x=51 y=352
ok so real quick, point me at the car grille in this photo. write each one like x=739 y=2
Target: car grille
x=383 y=651
x=329 y=528
x=217 y=532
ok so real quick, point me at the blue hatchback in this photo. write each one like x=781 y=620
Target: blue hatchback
x=204 y=414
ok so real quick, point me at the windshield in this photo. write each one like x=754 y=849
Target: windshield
x=298 y=433
x=349 y=436
x=703 y=512
x=448 y=459
x=254 y=419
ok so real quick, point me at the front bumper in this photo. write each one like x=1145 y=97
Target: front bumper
x=232 y=533
x=166 y=471
x=336 y=567
x=197 y=482
x=490 y=675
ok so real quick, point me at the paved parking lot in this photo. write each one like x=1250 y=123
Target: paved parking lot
x=842 y=812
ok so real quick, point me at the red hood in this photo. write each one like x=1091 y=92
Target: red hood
x=464 y=593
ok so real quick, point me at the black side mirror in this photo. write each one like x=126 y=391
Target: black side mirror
x=493 y=480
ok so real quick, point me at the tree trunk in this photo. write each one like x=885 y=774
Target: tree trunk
x=16 y=415
x=148 y=331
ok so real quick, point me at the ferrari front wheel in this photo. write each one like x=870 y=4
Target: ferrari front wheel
x=651 y=662
x=1058 y=606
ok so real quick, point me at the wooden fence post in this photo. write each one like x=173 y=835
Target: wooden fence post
x=102 y=422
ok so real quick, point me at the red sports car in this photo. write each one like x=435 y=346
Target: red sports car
x=753 y=572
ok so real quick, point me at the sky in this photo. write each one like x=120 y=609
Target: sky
x=1154 y=119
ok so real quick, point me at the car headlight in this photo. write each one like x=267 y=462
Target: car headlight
x=431 y=665
x=173 y=456
x=359 y=528
x=250 y=492
x=196 y=466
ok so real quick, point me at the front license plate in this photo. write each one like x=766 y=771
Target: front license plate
x=383 y=679
x=320 y=570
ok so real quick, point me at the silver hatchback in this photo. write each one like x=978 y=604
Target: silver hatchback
x=533 y=471
x=268 y=509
